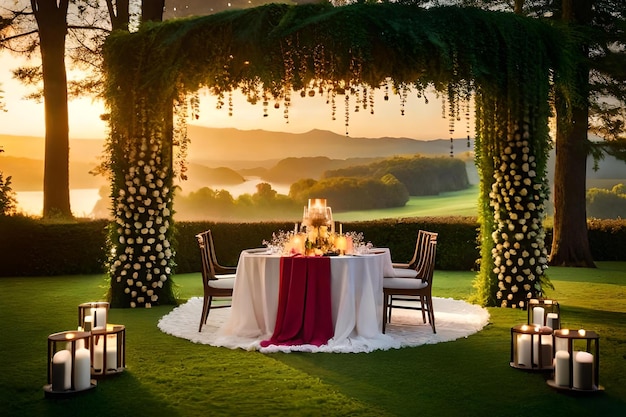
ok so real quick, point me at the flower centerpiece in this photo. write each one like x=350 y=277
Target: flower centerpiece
x=316 y=236
x=319 y=227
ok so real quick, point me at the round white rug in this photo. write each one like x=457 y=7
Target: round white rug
x=454 y=319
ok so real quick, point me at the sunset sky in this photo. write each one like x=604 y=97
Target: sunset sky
x=421 y=121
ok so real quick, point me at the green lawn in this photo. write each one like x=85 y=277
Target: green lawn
x=454 y=203
x=167 y=376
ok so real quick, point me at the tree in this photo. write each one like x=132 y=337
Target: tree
x=52 y=24
x=570 y=242
x=595 y=103
x=7 y=196
x=42 y=26
x=47 y=33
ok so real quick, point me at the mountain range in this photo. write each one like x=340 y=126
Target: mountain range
x=248 y=152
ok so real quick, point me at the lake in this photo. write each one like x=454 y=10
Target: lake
x=82 y=201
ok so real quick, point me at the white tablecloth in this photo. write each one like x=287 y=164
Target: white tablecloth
x=356 y=292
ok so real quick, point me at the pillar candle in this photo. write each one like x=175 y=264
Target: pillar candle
x=88 y=323
x=62 y=371
x=99 y=318
x=552 y=321
x=82 y=370
x=341 y=244
x=298 y=244
x=111 y=352
x=561 y=343
x=349 y=245
x=544 y=349
x=523 y=350
x=583 y=370
x=561 y=368
x=538 y=313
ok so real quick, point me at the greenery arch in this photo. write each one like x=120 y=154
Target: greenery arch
x=505 y=61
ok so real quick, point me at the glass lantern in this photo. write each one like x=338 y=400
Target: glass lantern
x=531 y=347
x=544 y=312
x=108 y=350
x=68 y=364
x=576 y=361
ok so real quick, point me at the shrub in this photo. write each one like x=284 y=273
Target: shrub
x=32 y=247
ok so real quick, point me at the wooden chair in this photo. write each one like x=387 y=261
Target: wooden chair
x=420 y=244
x=417 y=289
x=217 y=280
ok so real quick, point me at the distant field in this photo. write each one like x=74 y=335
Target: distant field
x=458 y=203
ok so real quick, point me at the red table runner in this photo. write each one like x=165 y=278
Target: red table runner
x=304 y=313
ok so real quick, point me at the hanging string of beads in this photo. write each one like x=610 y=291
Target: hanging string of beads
x=347 y=109
x=287 y=82
x=467 y=120
x=404 y=93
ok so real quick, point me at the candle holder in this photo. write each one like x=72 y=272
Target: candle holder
x=93 y=315
x=531 y=347
x=108 y=350
x=544 y=312
x=68 y=364
x=577 y=361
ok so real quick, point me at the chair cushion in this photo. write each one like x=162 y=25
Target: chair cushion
x=223 y=281
x=404 y=283
x=404 y=273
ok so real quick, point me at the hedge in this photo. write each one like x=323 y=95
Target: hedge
x=31 y=247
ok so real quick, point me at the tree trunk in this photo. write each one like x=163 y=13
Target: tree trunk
x=152 y=10
x=119 y=13
x=570 y=243
x=52 y=25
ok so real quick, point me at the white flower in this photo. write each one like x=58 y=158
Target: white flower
x=132 y=304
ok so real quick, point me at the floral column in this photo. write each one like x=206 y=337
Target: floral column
x=517 y=197
x=141 y=256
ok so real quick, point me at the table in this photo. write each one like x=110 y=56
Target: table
x=356 y=299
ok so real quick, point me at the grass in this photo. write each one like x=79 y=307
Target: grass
x=167 y=376
x=453 y=203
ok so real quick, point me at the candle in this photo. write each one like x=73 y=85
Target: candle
x=317 y=204
x=538 y=313
x=99 y=318
x=82 y=369
x=523 y=350
x=111 y=355
x=110 y=352
x=544 y=349
x=88 y=323
x=349 y=245
x=561 y=343
x=297 y=244
x=340 y=228
x=561 y=368
x=62 y=371
x=295 y=227
x=341 y=244
x=583 y=370
x=552 y=321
